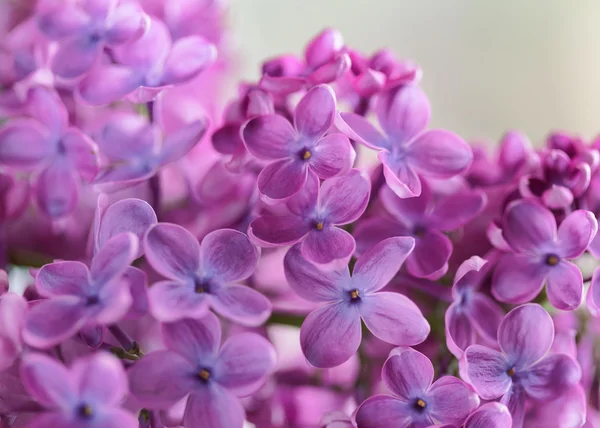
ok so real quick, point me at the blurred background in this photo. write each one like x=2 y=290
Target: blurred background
x=488 y=66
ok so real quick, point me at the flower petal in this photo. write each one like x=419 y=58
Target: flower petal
x=188 y=57
x=331 y=155
x=515 y=400
x=407 y=373
x=323 y=47
x=486 y=315
x=593 y=295
x=409 y=212
x=344 y=199
x=457 y=210
x=526 y=335
x=315 y=112
x=242 y=304
x=383 y=411
x=370 y=231
x=61 y=278
x=52 y=321
x=100 y=378
x=114 y=257
x=576 y=232
x=282 y=179
x=430 y=256
x=403 y=112
x=244 y=362
x=304 y=203
x=126 y=22
x=75 y=56
x=394 y=318
x=160 y=379
x=490 y=415
x=360 y=129
x=440 y=154
x=24 y=143
x=486 y=370
x=557 y=197
x=177 y=144
x=564 y=286
x=376 y=267
x=279 y=230
x=451 y=400
x=213 y=407
x=196 y=340
x=400 y=177
x=227 y=255
x=171 y=301
x=310 y=282
x=528 y=226
x=551 y=377
x=47 y=380
x=269 y=137
x=327 y=245
x=62 y=21
x=57 y=189
x=81 y=152
x=172 y=251
x=337 y=323
x=109 y=83
x=518 y=278
x=459 y=331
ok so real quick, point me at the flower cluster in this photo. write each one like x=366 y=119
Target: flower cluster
x=309 y=255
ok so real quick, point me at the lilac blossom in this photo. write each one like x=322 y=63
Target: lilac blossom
x=349 y=299
x=87 y=394
x=14 y=197
x=473 y=317
x=301 y=149
x=196 y=366
x=76 y=297
x=417 y=402
x=314 y=213
x=540 y=253
x=13 y=310
x=407 y=151
x=593 y=295
x=522 y=370
x=83 y=32
x=425 y=218
x=203 y=276
x=60 y=155
x=147 y=66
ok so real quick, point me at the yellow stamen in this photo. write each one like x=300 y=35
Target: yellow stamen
x=552 y=260
x=354 y=294
x=421 y=403
x=204 y=374
x=306 y=155
x=511 y=372
x=319 y=226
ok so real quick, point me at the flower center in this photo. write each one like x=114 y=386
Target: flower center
x=201 y=286
x=92 y=300
x=319 y=225
x=354 y=295
x=552 y=260
x=419 y=231
x=85 y=411
x=204 y=375
x=305 y=154
x=420 y=404
x=511 y=372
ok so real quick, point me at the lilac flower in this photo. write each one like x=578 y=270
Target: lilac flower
x=425 y=218
x=417 y=402
x=407 y=150
x=203 y=275
x=85 y=31
x=88 y=394
x=63 y=155
x=211 y=376
x=336 y=420
x=490 y=415
x=540 y=255
x=522 y=369
x=14 y=197
x=391 y=317
x=313 y=216
x=593 y=295
x=301 y=149
x=147 y=66
x=13 y=309
x=137 y=150
x=473 y=317
x=78 y=298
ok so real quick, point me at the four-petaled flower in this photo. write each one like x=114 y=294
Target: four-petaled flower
x=300 y=149
x=522 y=369
x=314 y=213
x=331 y=334
x=211 y=376
x=417 y=402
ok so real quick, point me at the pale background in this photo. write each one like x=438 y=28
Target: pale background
x=532 y=65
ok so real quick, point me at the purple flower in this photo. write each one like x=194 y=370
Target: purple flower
x=522 y=369
x=78 y=298
x=85 y=31
x=490 y=415
x=425 y=218
x=43 y=142
x=473 y=317
x=14 y=197
x=331 y=334
x=300 y=149
x=137 y=150
x=147 y=65
x=314 y=213
x=593 y=295
x=203 y=275
x=88 y=394
x=211 y=376
x=540 y=255
x=417 y=402
x=407 y=150
x=13 y=309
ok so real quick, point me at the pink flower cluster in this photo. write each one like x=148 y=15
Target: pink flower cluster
x=312 y=256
